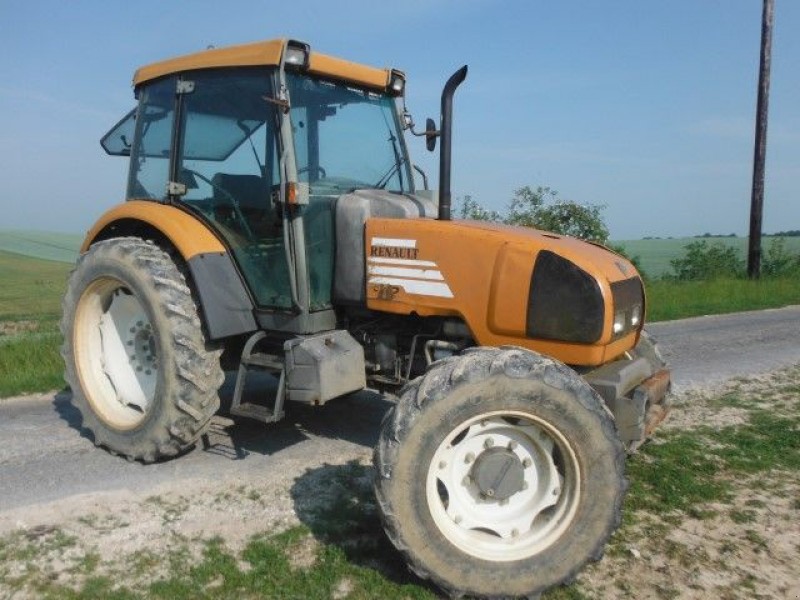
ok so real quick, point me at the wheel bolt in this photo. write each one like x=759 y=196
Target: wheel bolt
x=457 y=519
x=512 y=445
x=488 y=443
x=442 y=464
x=130 y=342
x=148 y=372
x=514 y=532
x=490 y=493
x=556 y=492
x=504 y=501
x=467 y=480
x=139 y=323
x=469 y=457
x=138 y=368
x=133 y=330
x=527 y=463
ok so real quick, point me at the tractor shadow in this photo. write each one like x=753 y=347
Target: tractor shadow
x=337 y=504
x=355 y=418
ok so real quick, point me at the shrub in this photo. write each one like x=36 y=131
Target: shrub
x=707 y=261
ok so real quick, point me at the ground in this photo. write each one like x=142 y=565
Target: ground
x=712 y=513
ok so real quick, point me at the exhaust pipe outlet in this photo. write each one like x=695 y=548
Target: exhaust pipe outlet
x=445 y=129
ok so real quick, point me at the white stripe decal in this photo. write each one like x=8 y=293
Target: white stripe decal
x=402 y=272
x=393 y=243
x=414 y=286
x=406 y=262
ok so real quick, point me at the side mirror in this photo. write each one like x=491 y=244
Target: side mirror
x=430 y=134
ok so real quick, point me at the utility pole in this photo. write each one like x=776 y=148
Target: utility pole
x=759 y=154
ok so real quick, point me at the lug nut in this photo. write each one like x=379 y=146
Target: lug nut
x=469 y=457
x=467 y=480
x=442 y=464
x=556 y=492
x=490 y=493
x=527 y=463
x=512 y=445
x=488 y=443
x=457 y=519
x=514 y=532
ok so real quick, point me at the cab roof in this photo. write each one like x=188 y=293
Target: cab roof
x=266 y=53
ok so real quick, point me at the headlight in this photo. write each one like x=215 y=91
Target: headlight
x=619 y=322
x=636 y=315
x=628 y=305
x=297 y=54
x=397 y=82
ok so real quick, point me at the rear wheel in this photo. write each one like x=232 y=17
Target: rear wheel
x=499 y=473
x=141 y=371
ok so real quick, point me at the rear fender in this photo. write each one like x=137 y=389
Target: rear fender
x=224 y=300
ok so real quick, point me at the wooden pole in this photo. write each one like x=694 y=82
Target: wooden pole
x=760 y=151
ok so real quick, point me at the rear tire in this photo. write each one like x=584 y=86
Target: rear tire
x=142 y=372
x=499 y=473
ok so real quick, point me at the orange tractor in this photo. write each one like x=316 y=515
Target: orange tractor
x=273 y=222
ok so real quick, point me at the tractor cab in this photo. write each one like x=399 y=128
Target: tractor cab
x=263 y=154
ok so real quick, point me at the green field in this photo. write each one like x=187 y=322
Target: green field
x=62 y=247
x=30 y=306
x=654 y=255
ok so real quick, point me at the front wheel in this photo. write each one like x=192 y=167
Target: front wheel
x=142 y=373
x=499 y=473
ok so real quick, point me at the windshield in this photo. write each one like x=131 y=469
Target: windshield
x=346 y=138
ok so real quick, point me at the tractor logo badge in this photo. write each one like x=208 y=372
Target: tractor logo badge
x=394 y=264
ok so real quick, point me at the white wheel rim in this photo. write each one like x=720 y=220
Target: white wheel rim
x=532 y=518
x=115 y=353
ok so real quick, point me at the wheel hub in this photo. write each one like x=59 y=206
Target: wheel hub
x=498 y=473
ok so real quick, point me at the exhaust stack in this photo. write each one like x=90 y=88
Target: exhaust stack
x=445 y=128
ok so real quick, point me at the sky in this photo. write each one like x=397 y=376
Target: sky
x=643 y=106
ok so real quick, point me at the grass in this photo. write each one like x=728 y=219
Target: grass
x=668 y=300
x=30 y=306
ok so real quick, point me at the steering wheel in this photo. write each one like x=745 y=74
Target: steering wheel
x=320 y=171
x=234 y=202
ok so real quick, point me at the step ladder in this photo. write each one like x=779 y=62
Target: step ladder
x=266 y=362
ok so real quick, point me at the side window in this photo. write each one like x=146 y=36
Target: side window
x=150 y=156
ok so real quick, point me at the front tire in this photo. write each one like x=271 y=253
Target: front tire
x=142 y=373
x=499 y=473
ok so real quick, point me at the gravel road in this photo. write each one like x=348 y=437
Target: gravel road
x=45 y=461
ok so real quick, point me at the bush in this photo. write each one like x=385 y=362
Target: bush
x=707 y=261
x=541 y=208
x=778 y=261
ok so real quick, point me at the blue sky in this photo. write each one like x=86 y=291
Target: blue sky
x=644 y=106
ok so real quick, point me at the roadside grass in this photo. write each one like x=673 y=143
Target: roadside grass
x=668 y=300
x=712 y=512
x=30 y=305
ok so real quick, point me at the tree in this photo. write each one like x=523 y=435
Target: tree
x=472 y=209
x=541 y=208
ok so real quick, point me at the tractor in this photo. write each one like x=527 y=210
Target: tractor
x=274 y=221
